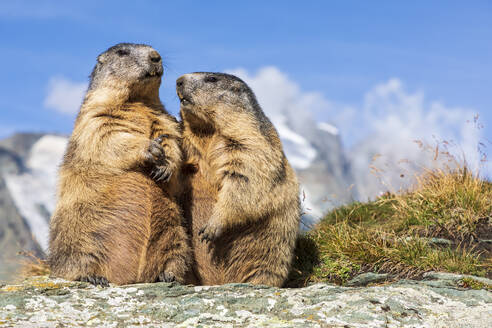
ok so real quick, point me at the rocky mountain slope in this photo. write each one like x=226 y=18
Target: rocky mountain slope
x=438 y=301
x=15 y=232
x=33 y=190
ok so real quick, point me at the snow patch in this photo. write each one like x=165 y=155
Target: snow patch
x=34 y=191
x=298 y=150
x=331 y=129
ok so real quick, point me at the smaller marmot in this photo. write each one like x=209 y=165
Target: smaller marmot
x=243 y=198
x=117 y=219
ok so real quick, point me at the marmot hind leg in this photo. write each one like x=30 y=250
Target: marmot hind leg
x=266 y=277
x=81 y=255
x=168 y=256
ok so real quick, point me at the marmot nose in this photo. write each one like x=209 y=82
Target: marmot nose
x=154 y=56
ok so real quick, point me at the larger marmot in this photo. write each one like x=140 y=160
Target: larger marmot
x=243 y=197
x=116 y=218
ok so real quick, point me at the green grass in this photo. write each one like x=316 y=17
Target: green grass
x=393 y=234
x=474 y=284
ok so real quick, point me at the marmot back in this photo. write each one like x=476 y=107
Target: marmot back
x=243 y=198
x=116 y=217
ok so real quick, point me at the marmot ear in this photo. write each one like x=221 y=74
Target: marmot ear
x=101 y=58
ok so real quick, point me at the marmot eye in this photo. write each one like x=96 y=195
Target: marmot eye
x=122 y=52
x=210 y=79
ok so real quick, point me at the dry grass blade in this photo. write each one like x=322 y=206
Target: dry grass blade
x=33 y=265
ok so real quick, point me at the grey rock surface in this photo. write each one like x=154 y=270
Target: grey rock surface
x=43 y=302
x=453 y=279
x=367 y=278
x=20 y=143
x=10 y=162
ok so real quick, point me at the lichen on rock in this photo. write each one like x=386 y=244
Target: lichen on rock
x=436 y=302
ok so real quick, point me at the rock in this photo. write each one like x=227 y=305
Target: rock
x=367 y=278
x=453 y=279
x=440 y=241
x=20 y=143
x=44 y=302
x=10 y=162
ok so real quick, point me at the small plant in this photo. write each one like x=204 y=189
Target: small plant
x=474 y=284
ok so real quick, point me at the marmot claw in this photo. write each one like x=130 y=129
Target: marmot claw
x=95 y=280
x=161 y=172
x=155 y=153
x=167 y=277
x=210 y=232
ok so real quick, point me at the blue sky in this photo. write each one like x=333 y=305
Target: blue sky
x=339 y=49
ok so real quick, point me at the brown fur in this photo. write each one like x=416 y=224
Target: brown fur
x=242 y=202
x=112 y=220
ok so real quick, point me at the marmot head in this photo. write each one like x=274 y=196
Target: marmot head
x=216 y=99
x=137 y=67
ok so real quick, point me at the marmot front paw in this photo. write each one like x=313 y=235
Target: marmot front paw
x=156 y=157
x=167 y=277
x=95 y=280
x=210 y=231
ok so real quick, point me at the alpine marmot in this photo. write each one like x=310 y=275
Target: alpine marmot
x=242 y=201
x=117 y=219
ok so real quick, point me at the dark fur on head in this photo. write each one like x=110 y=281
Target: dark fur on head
x=201 y=93
x=129 y=63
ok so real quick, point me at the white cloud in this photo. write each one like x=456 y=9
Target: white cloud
x=390 y=120
x=280 y=97
x=65 y=96
x=386 y=123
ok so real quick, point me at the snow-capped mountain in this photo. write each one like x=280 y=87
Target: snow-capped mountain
x=315 y=151
x=15 y=231
x=33 y=190
x=298 y=150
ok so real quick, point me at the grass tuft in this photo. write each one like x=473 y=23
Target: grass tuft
x=33 y=266
x=397 y=233
x=471 y=283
